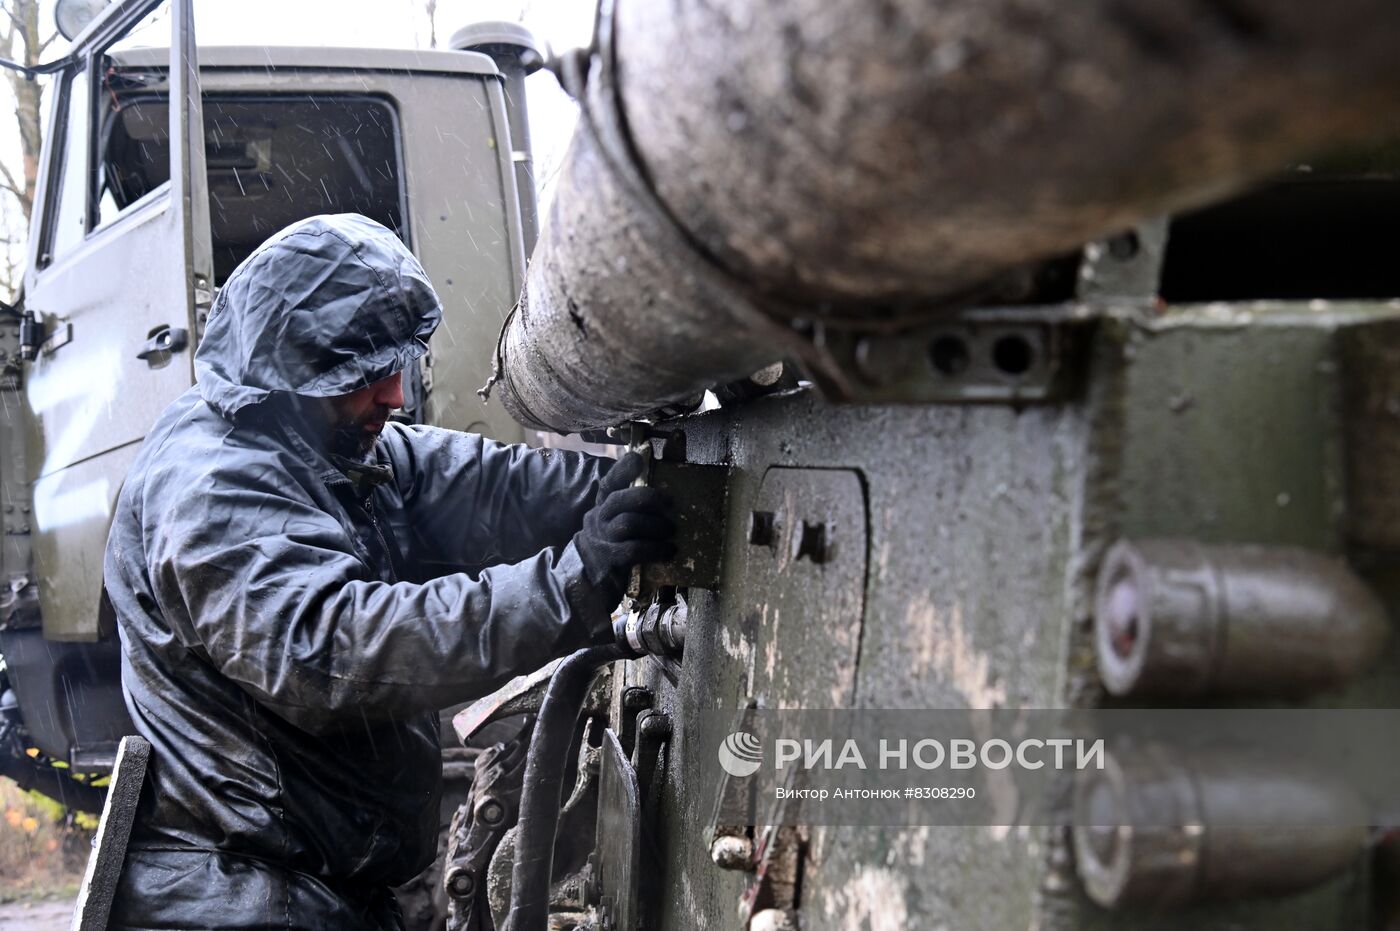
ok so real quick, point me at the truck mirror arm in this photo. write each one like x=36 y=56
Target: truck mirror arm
x=32 y=72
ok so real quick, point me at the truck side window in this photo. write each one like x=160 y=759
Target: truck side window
x=271 y=159
x=67 y=218
x=111 y=193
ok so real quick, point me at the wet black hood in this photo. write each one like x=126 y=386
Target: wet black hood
x=328 y=305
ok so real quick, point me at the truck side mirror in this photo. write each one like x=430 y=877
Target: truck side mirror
x=73 y=16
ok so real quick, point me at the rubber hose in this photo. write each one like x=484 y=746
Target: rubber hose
x=542 y=791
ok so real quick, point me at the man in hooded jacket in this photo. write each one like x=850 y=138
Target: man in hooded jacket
x=298 y=593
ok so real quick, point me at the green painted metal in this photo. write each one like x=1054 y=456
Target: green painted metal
x=983 y=527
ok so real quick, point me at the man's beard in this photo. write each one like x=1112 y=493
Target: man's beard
x=350 y=439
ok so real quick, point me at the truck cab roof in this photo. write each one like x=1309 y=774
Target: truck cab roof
x=320 y=58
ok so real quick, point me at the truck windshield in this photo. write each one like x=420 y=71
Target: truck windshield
x=270 y=159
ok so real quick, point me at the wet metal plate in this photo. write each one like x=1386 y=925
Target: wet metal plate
x=805 y=585
x=619 y=835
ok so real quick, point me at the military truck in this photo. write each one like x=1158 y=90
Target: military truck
x=164 y=166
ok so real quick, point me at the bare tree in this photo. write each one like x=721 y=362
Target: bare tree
x=20 y=41
x=431 y=8
x=11 y=237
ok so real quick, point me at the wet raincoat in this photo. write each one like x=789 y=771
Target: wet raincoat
x=289 y=627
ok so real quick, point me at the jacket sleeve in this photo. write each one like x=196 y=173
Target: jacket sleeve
x=471 y=502
x=276 y=600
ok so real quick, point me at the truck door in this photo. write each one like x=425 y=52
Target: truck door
x=120 y=277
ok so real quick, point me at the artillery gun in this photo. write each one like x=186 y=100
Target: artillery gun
x=1050 y=356
x=1013 y=316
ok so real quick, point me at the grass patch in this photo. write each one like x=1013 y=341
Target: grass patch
x=43 y=850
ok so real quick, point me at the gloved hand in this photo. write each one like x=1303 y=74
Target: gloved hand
x=625 y=527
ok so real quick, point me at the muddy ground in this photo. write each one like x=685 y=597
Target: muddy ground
x=36 y=916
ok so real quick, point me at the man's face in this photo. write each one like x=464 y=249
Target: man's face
x=360 y=415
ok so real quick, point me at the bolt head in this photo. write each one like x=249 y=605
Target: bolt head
x=491 y=812
x=732 y=853
x=637 y=698
x=461 y=884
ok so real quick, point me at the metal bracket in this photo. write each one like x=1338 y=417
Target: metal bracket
x=699 y=493
x=1006 y=355
x=61 y=336
x=635 y=700
x=619 y=838
x=1126 y=266
x=806 y=557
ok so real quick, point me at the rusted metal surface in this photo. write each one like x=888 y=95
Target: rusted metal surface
x=908 y=625
x=808 y=572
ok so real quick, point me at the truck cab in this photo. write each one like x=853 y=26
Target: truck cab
x=164 y=166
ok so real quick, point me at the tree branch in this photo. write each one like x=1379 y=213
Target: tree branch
x=7 y=181
x=16 y=26
x=45 y=44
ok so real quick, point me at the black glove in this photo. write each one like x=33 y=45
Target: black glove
x=625 y=527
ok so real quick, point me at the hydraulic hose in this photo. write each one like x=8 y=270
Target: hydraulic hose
x=541 y=795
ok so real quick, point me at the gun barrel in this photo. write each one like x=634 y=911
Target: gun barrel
x=743 y=167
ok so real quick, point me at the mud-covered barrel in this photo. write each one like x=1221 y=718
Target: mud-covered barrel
x=748 y=175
